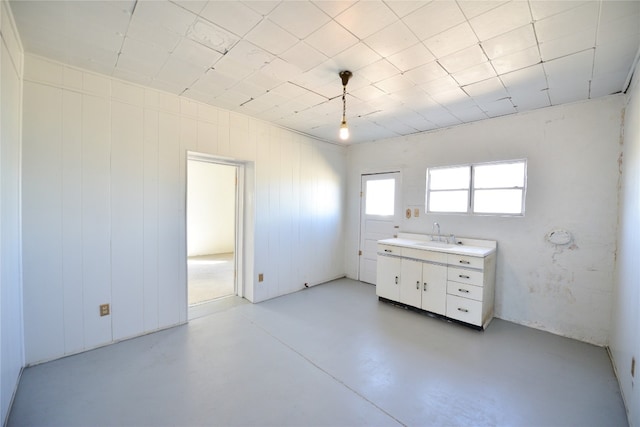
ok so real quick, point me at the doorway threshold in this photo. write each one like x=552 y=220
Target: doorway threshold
x=215 y=306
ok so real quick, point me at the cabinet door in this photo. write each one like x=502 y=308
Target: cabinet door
x=388 y=278
x=410 y=282
x=434 y=288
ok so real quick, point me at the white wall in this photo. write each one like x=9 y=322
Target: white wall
x=11 y=336
x=104 y=206
x=625 y=336
x=211 y=200
x=572 y=154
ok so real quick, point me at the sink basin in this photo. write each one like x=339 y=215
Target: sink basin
x=435 y=244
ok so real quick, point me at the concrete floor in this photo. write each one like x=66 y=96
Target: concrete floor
x=330 y=355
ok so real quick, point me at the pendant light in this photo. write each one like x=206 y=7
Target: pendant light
x=344 y=130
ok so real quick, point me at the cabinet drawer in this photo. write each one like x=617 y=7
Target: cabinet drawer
x=465 y=261
x=465 y=310
x=389 y=250
x=465 y=276
x=425 y=255
x=464 y=290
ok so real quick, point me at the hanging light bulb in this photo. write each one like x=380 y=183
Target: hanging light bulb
x=344 y=129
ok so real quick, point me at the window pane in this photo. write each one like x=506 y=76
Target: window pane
x=380 y=196
x=449 y=178
x=503 y=175
x=448 y=201
x=497 y=201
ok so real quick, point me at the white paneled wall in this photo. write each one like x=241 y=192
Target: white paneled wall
x=11 y=335
x=104 y=206
x=625 y=334
x=573 y=172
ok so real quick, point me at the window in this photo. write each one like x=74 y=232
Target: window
x=380 y=197
x=483 y=188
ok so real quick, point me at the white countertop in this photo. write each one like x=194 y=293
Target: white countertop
x=428 y=245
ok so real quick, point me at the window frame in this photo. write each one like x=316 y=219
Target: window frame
x=471 y=189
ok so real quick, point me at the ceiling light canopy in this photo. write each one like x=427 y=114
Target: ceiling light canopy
x=344 y=130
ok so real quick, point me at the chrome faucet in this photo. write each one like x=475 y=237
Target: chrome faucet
x=435 y=225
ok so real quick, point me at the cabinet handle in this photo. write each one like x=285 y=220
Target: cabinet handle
x=464 y=310
x=462 y=276
x=396 y=280
x=464 y=262
x=417 y=284
x=389 y=250
x=466 y=291
x=425 y=286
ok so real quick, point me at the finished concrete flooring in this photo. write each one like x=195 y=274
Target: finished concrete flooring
x=331 y=355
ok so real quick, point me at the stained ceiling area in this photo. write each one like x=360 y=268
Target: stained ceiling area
x=417 y=65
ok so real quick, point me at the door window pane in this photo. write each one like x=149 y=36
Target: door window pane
x=380 y=197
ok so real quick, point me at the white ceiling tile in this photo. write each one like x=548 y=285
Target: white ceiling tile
x=288 y=90
x=412 y=57
x=263 y=80
x=331 y=39
x=440 y=116
x=425 y=73
x=452 y=40
x=141 y=57
x=489 y=90
x=150 y=32
x=395 y=84
x=334 y=7
x=211 y=36
x=581 y=18
x=196 y=53
x=378 y=71
x=231 y=15
x=510 y=42
x=614 y=57
x=614 y=10
x=231 y=99
x=544 y=9
x=304 y=56
x=474 y=74
x=528 y=100
x=271 y=37
x=515 y=61
x=570 y=90
x=469 y=114
x=404 y=7
x=463 y=59
x=198 y=96
x=472 y=8
x=498 y=108
x=249 y=55
x=281 y=70
x=578 y=66
x=180 y=72
x=568 y=45
x=502 y=19
x=531 y=79
x=443 y=84
x=288 y=15
x=132 y=76
x=392 y=39
x=356 y=57
x=394 y=125
x=194 y=6
x=367 y=93
x=607 y=84
x=165 y=14
x=214 y=82
x=626 y=27
x=434 y=18
x=263 y=7
x=249 y=89
x=232 y=68
x=378 y=16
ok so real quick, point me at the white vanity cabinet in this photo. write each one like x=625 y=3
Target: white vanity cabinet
x=451 y=280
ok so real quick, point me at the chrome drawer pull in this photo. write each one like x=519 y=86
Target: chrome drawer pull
x=466 y=291
x=387 y=250
x=396 y=280
x=462 y=276
x=464 y=262
x=464 y=310
x=425 y=286
x=417 y=284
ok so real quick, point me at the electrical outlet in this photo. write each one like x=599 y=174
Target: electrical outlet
x=416 y=212
x=104 y=310
x=260 y=277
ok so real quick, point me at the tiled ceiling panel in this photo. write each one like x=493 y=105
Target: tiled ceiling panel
x=417 y=65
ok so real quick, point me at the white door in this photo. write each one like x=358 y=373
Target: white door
x=380 y=215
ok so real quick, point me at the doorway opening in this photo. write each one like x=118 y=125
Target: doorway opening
x=212 y=229
x=380 y=216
